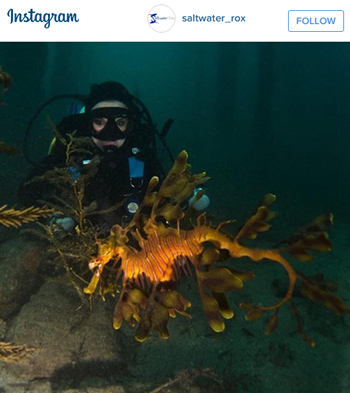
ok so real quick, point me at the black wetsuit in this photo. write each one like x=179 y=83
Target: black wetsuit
x=113 y=182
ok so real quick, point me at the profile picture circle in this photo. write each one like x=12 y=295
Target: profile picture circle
x=161 y=18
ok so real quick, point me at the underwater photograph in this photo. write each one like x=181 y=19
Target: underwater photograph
x=174 y=217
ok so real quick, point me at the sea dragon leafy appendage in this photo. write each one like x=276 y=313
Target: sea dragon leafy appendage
x=147 y=257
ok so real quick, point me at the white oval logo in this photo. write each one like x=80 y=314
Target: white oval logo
x=161 y=18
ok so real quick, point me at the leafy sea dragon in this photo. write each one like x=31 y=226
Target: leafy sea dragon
x=146 y=259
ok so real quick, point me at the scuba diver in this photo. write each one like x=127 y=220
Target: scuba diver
x=121 y=138
x=112 y=120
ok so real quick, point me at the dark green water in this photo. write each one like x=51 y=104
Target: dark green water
x=258 y=117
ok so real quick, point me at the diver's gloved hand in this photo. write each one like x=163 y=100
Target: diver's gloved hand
x=202 y=203
x=62 y=223
x=66 y=223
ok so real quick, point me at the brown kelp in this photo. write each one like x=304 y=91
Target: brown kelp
x=15 y=218
x=71 y=249
x=13 y=353
x=10 y=352
x=9 y=150
x=146 y=259
x=5 y=82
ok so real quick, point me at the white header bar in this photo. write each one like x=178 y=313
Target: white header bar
x=139 y=20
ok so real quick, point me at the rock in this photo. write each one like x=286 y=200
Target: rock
x=19 y=262
x=73 y=344
x=7 y=233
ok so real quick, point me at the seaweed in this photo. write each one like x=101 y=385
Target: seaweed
x=15 y=218
x=5 y=82
x=12 y=353
x=71 y=249
x=9 y=150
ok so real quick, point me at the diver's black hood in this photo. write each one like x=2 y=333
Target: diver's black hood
x=109 y=91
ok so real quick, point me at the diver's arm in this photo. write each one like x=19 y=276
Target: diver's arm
x=31 y=190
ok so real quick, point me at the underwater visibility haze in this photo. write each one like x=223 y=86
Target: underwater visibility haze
x=247 y=296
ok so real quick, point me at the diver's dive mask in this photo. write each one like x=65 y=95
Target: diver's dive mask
x=112 y=123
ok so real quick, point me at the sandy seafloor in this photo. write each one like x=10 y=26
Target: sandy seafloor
x=77 y=349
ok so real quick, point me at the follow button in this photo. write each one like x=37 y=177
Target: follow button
x=315 y=21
